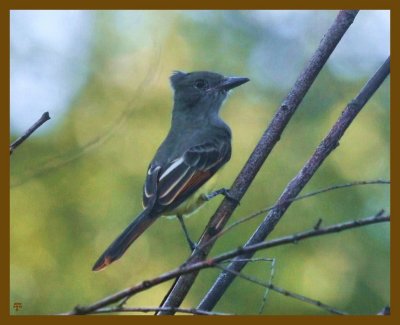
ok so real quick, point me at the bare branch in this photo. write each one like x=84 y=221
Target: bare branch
x=328 y=144
x=267 y=142
x=45 y=117
x=185 y=269
x=295 y=238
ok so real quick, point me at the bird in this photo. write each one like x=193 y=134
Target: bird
x=197 y=145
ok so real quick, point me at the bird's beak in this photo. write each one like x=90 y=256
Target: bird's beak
x=229 y=83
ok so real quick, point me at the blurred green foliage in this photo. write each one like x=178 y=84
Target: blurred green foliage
x=75 y=189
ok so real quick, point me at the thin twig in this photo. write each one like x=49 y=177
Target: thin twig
x=185 y=269
x=295 y=186
x=264 y=147
x=45 y=117
x=300 y=197
x=286 y=293
x=118 y=309
x=271 y=276
x=65 y=158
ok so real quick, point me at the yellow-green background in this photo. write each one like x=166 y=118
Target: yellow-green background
x=75 y=187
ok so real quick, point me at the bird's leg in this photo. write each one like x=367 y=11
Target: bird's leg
x=192 y=245
x=225 y=192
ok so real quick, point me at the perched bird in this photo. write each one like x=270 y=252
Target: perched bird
x=197 y=146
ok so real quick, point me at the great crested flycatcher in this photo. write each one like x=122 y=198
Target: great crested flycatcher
x=197 y=146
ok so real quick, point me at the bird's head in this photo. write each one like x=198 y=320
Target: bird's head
x=202 y=89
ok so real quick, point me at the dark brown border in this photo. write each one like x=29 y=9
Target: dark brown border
x=205 y=4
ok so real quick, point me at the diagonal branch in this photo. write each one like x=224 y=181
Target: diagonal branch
x=45 y=117
x=328 y=144
x=267 y=142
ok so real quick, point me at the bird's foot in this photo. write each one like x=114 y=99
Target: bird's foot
x=225 y=192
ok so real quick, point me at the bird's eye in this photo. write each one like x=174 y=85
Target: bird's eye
x=201 y=84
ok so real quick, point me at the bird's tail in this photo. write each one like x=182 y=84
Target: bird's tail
x=124 y=240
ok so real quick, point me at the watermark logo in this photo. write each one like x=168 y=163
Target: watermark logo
x=17 y=306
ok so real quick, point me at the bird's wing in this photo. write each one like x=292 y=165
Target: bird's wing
x=168 y=186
